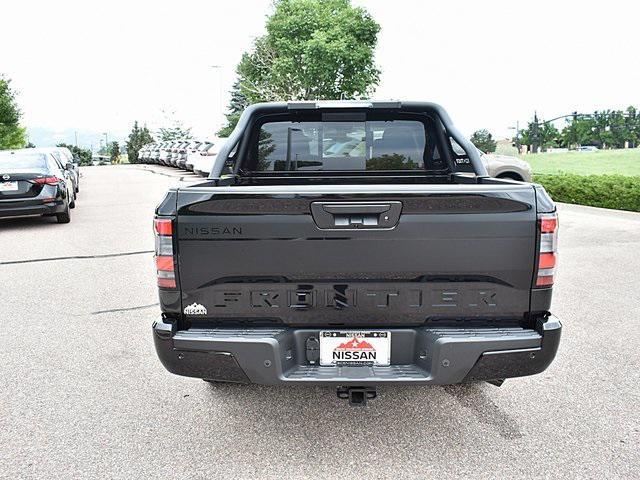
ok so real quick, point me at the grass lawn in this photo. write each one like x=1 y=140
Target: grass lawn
x=621 y=162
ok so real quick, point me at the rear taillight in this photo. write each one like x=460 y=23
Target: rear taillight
x=548 y=224
x=46 y=181
x=163 y=229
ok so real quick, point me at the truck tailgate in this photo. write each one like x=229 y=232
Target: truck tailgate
x=356 y=255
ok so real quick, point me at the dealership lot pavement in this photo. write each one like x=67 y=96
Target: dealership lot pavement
x=82 y=394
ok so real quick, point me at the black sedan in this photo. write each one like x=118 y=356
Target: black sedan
x=34 y=183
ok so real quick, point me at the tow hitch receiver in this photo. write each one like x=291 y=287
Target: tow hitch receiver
x=357 y=396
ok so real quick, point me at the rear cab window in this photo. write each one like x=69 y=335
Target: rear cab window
x=341 y=146
x=342 y=143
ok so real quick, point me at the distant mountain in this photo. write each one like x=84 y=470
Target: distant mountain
x=46 y=137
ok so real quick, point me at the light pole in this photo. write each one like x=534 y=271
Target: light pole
x=287 y=164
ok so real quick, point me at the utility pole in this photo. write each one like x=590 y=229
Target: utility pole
x=76 y=134
x=106 y=140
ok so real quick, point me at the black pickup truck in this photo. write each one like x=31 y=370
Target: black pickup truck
x=354 y=244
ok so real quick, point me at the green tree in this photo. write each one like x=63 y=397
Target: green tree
x=394 y=161
x=237 y=104
x=484 y=141
x=138 y=138
x=632 y=121
x=313 y=50
x=82 y=154
x=605 y=129
x=540 y=135
x=114 y=152
x=579 y=131
x=174 y=131
x=12 y=135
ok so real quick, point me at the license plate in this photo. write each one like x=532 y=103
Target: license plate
x=8 y=186
x=355 y=348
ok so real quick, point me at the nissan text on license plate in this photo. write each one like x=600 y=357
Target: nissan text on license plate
x=355 y=348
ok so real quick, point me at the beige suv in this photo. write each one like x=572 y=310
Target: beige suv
x=504 y=166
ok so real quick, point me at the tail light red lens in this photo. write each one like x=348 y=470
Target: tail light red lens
x=547 y=260
x=548 y=248
x=165 y=266
x=163 y=226
x=545 y=281
x=166 y=282
x=164 y=263
x=46 y=181
x=548 y=224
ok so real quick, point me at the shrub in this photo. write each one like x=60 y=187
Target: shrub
x=606 y=191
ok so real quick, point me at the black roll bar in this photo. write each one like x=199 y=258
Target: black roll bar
x=284 y=107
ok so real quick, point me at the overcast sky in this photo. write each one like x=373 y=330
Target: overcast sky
x=85 y=65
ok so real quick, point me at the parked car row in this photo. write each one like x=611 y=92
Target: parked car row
x=39 y=181
x=192 y=155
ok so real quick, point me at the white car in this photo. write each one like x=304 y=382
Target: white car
x=145 y=152
x=202 y=165
x=587 y=148
x=166 y=152
x=195 y=153
x=185 y=150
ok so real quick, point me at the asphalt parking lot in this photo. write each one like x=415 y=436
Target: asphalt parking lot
x=82 y=394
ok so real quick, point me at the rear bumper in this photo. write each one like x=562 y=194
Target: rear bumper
x=31 y=207
x=418 y=355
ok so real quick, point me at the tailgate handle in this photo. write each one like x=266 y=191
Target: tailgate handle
x=352 y=215
x=349 y=209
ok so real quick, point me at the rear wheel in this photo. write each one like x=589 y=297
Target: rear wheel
x=64 y=217
x=511 y=175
